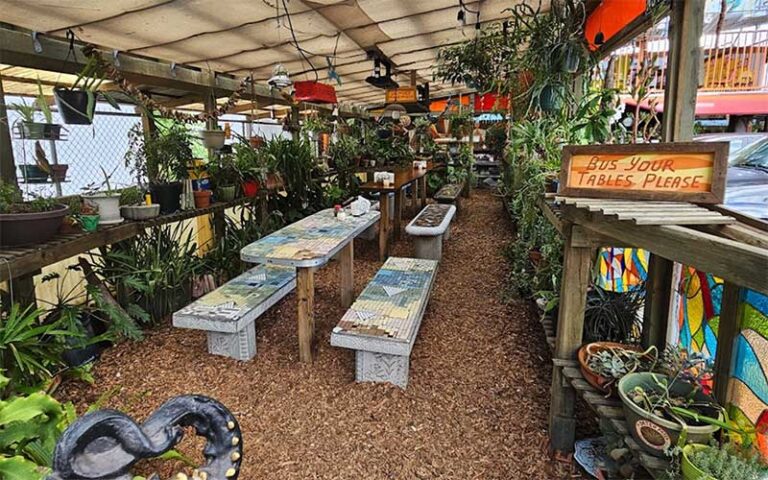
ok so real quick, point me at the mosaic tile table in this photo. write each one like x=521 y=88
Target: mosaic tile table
x=383 y=322
x=308 y=244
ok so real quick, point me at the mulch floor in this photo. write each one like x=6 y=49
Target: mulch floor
x=475 y=408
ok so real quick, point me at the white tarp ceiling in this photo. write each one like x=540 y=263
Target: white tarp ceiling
x=243 y=36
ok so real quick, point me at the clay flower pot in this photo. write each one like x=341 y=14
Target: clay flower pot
x=202 y=198
x=605 y=385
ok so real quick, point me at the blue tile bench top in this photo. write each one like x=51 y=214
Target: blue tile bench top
x=386 y=316
x=433 y=220
x=448 y=192
x=234 y=305
x=310 y=242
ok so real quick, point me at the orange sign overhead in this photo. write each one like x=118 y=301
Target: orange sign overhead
x=402 y=95
x=674 y=171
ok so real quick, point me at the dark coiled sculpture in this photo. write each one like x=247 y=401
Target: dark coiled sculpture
x=106 y=444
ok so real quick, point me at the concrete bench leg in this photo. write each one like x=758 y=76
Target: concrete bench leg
x=430 y=248
x=447 y=234
x=381 y=367
x=240 y=345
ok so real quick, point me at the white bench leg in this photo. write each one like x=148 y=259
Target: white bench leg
x=381 y=367
x=447 y=233
x=430 y=248
x=240 y=345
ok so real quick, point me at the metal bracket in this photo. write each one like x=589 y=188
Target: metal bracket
x=115 y=54
x=36 y=43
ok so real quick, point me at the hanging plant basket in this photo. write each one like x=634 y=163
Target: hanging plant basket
x=213 y=139
x=571 y=58
x=75 y=106
x=549 y=98
x=33 y=174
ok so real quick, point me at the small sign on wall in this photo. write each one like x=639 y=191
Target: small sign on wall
x=685 y=172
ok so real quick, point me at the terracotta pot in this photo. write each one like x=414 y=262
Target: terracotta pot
x=202 y=198
x=598 y=381
x=274 y=181
x=59 y=172
x=250 y=188
x=535 y=257
x=70 y=225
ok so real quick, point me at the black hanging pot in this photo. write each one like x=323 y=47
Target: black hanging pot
x=74 y=106
x=168 y=195
x=571 y=59
x=549 y=98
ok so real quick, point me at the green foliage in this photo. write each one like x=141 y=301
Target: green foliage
x=727 y=462
x=424 y=143
x=31 y=346
x=248 y=162
x=131 y=196
x=153 y=270
x=162 y=156
x=461 y=124
x=223 y=170
x=27 y=112
x=612 y=316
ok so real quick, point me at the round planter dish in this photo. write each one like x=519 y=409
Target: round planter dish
x=17 y=229
x=598 y=381
x=653 y=433
x=140 y=212
x=688 y=469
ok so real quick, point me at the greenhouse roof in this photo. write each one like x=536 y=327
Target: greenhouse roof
x=241 y=37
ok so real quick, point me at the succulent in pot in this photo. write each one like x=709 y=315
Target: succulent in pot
x=162 y=158
x=225 y=175
x=603 y=364
x=133 y=205
x=724 y=462
x=27 y=223
x=106 y=198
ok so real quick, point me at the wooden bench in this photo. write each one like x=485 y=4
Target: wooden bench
x=430 y=227
x=449 y=193
x=229 y=313
x=381 y=326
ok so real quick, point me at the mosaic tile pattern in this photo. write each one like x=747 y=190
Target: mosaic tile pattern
x=621 y=269
x=432 y=215
x=241 y=295
x=391 y=304
x=448 y=192
x=315 y=237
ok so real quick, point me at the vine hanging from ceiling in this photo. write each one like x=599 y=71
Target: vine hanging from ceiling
x=112 y=73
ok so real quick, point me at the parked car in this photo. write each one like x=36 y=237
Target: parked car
x=746 y=188
x=737 y=141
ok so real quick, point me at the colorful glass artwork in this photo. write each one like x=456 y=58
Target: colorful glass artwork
x=695 y=317
x=621 y=269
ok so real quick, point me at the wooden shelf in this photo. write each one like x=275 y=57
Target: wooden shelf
x=18 y=261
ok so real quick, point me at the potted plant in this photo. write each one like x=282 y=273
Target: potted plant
x=71 y=222
x=460 y=125
x=33 y=174
x=77 y=103
x=105 y=198
x=31 y=129
x=725 y=462
x=213 y=138
x=250 y=168
x=89 y=216
x=603 y=364
x=27 y=223
x=161 y=157
x=663 y=411
x=57 y=172
x=225 y=176
x=133 y=205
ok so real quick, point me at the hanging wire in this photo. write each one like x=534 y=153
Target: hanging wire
x=296 y=41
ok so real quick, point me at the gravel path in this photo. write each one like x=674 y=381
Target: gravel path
x=476 y=405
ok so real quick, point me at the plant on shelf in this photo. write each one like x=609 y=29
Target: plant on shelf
x=315 y=124
x=612 y=316
x=250 y=168
x=89 y=216
x=214 y=137
x=344 y=154
x=27 y=223
x=424 y=137
x=603 y=364
x=106 y=198
x=77 y=103
x=57 y=171
x=30 y=128
x=461 y=125
x=726 y=461
x=134 y=206
x=289 y=162
x=225 y=175
x=161 y=157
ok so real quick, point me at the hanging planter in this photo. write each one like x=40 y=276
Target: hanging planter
x=75 y=106
x=571 y=58
x=549 y=98
x=213 y=139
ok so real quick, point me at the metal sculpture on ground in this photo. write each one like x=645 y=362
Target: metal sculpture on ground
x=106 y=444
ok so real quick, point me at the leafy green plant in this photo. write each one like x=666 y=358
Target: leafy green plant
x=89 y=80
x=161 y=156
x=248 y=162
x=291 y=160
x=131 y=196
x=27 y=112
x=223 y=170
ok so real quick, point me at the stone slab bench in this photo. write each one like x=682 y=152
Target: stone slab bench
x=229 y=313
x=450 y=194
x=430 y=227
x=381 y=326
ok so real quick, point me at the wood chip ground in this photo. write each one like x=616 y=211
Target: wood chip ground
x=476 y=404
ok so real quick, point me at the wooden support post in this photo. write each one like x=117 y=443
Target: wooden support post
x=398 y=213
x=305 y=287
x=7 y=163
x=384 y=226
x=727 y=332
x=24 y=289
x=347 y=268
x=570 y=325
x=658 y=289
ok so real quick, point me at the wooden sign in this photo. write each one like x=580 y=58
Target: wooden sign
x=686 y=172
x=402 y=95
